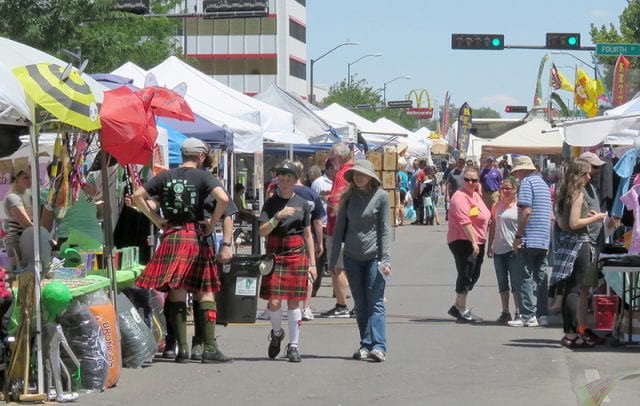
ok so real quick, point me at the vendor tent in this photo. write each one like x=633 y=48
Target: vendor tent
x=532 y=138
x=618 y=126
x=416 y=145
x=247 y=136
x=371 y=132
x=437 y=146
x=306 y=121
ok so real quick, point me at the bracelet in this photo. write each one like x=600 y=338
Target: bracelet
x=277 y=217
x=273 y=221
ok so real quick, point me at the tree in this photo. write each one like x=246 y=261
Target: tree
x=360 y=93
x=107 y=38
x=485 y=112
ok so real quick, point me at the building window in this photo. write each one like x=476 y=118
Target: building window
x=297 y=69
x=236 y=66
x=303 y=2
x=232 y=26
x=297 y=31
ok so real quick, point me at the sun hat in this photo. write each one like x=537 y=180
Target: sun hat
x=288 y=167
x=21 y=166
x=194 y=146
x=522 y=163
x=363 y=166
x=592 y=158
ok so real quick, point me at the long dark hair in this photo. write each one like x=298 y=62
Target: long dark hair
x=571 y=184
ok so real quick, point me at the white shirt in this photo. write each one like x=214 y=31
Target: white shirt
x=322 y=185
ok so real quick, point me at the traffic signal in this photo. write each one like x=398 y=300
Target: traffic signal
x=477 y=41
x=516 y=109
x=133 y=6
x=567 y=40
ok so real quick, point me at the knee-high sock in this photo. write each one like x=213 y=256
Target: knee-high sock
x=197 y=322
x=170 y=339
x=294 y=318
x=178 y=315
x=276 y=319
x=207 y=316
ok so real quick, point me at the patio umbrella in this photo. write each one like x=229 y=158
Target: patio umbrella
x=69 y=99
x=166 y=102
x=128 y=129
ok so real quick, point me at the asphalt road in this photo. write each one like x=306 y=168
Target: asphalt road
x=432 y=360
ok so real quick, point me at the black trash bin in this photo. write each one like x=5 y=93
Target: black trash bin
x=238 y=297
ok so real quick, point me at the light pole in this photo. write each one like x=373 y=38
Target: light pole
x=384 y=88
x=595 y=70
x=313 y=61
x=353 y=63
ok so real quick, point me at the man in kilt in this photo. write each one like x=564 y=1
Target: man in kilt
x=286 y=222
x=184 y=262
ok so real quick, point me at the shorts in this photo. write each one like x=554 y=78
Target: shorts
x=339 y=263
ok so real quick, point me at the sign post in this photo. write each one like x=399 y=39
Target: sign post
x=617 y=49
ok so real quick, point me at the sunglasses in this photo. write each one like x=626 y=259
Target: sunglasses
x=469 y=180
x=506 y=188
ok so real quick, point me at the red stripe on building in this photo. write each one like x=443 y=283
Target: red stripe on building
x=297 y=58
x=295 y=20
x=233 y=56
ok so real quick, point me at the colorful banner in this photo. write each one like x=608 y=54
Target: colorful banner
x=586 y=93
x=446 y=115
x=594 y=393
x=559 y=81
x=537 y=98
x=464 y=128
x=620 y=83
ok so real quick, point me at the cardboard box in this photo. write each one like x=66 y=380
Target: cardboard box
x=376 y=159
x=388 y=179
x=392 y=198
x=392 y=217
x=390 y=160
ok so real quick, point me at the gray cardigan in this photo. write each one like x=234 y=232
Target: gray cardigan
x=364 y=228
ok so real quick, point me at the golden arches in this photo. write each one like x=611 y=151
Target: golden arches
x=419 y=94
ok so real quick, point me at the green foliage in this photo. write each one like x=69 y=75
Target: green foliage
x=107 y=38
x=485 y=112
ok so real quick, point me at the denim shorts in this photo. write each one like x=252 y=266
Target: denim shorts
x=505 y=265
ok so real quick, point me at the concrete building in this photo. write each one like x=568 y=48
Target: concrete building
x=250 y=53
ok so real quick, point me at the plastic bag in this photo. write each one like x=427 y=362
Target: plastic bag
x=138 y=343
x=104 y=312
x=85 y=338
x=410 y=214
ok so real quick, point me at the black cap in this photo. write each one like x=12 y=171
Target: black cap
x=288 y=167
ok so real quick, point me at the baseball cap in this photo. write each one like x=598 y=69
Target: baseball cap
x=288 y=167
x=592 y=158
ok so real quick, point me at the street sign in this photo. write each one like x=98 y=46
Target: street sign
x=400 y=104
x=421 y=113
x=617 y=49
x=363 y=106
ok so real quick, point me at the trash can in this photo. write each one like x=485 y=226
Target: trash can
x=238 y=297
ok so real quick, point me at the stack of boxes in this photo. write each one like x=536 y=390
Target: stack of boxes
x=386 y=166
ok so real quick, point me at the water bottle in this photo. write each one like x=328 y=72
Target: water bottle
x=381 y=266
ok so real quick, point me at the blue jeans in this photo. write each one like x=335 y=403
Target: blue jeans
x=367 y=289
x=505 y=265
x=531 y=279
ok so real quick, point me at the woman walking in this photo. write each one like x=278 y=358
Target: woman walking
x=574 y=258
x=502 y=232
x=468 y=221
x=286 y=222
x=363 y=225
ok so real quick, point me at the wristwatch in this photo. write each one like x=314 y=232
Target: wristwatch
x=226 y=243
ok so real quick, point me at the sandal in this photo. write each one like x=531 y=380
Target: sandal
x=569 y=342
x=589 y=335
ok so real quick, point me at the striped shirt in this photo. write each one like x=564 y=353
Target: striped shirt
x=534 y=193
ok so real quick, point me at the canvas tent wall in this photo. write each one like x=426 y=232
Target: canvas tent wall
x=532 y=138
x=416 y=146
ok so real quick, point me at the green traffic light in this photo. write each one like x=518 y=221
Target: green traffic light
x=495 y=42
x=572 y=40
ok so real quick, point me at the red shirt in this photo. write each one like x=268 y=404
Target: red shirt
x=339 y=186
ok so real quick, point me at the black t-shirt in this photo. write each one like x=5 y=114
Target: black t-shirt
x=294 y=224
x=182 y=192
x=210 y=206
x=313 y=198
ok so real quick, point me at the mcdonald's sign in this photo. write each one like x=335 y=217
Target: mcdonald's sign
x=418 y=94
x=421 y=113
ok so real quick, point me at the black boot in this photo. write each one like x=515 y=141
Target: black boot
x=208 y=317
x=178 y=318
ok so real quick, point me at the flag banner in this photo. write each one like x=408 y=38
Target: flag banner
x=464 y=127
x=586 y=93
x=445 y=114
x=620 y=82
x=559 y=81
x=537 y=98
x=594 y=393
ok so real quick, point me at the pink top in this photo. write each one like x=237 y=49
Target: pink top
x=465 y=209
x=631 y=200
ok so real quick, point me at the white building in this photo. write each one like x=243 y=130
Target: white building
x=250 y=53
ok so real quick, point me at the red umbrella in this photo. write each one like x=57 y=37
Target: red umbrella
x=128 y=129
x=166 y=103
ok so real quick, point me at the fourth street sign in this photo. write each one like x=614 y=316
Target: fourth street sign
x=617 y=49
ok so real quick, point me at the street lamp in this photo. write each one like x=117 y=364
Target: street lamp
x=384 y=88
x=352 y=63
x=595 y=70
x=313 y=61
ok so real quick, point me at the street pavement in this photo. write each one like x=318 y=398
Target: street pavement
x=431 y=359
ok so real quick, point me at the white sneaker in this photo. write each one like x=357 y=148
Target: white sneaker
x=542 y=321
x=264 y=315
x=307 y=314
x=521 y=322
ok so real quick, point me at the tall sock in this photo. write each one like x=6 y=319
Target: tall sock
x=197 y=323
x=294 y=319
x=178 y=313
x=276 y=319
x=207 y=316
x=170 y=338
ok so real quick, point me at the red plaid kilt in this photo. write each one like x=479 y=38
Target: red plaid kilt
x=288 y=280
x=183 y=260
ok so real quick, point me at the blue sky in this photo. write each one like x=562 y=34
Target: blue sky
x=415 y=39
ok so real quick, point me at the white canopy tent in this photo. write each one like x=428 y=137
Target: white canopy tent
x=371 y=132
x=247 y=136
x=532 y=138
x=618 y=126
x=416 y=145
